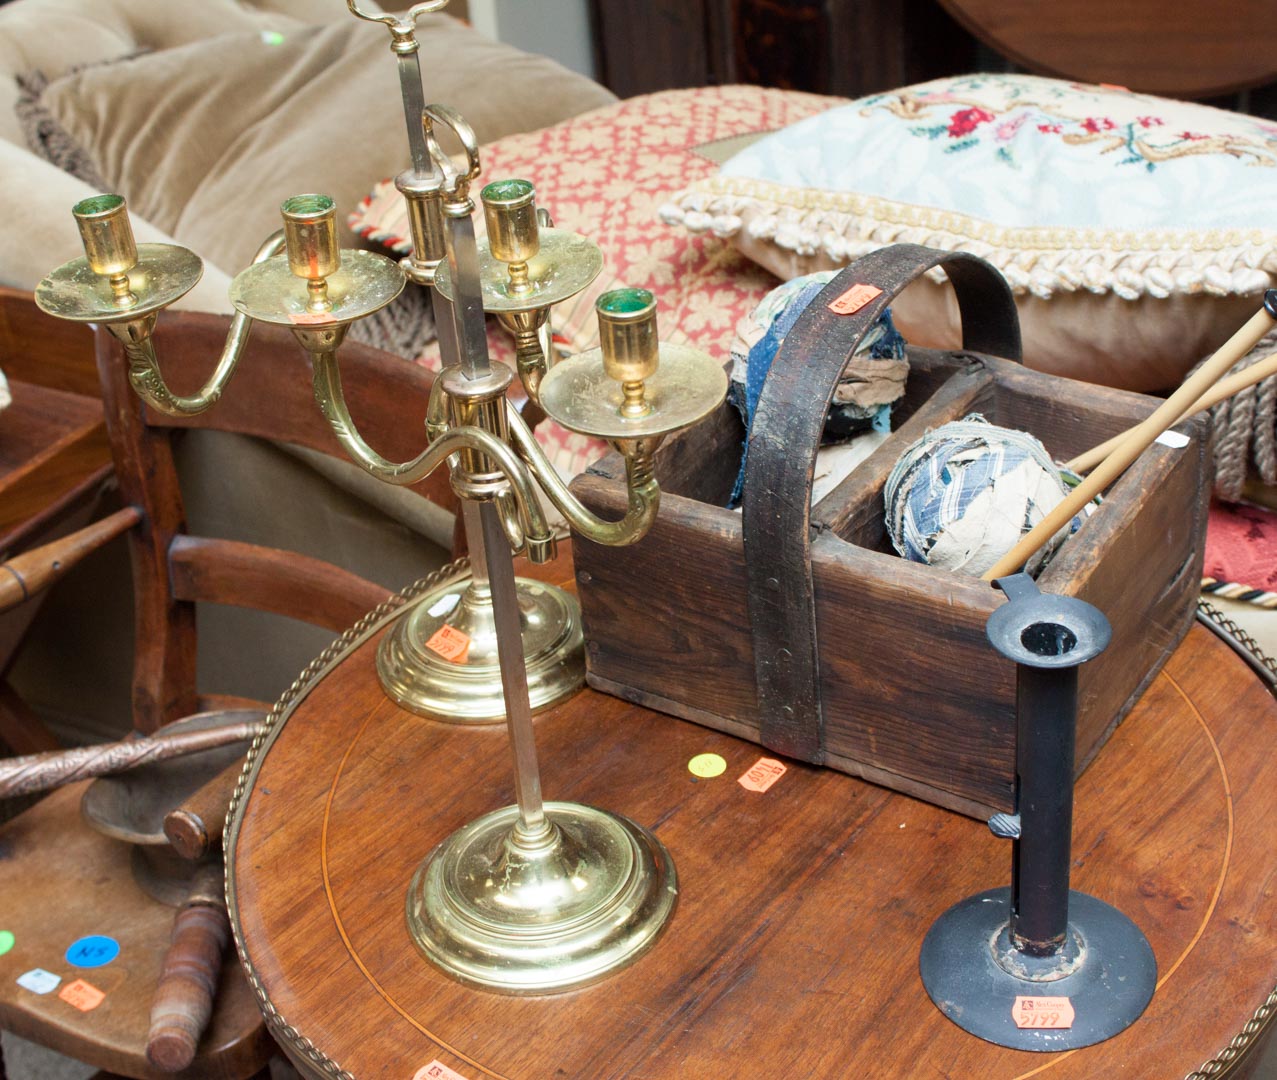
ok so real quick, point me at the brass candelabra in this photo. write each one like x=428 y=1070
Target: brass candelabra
x=541 y=895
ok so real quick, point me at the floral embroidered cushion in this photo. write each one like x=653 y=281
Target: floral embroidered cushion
x=1136 y=232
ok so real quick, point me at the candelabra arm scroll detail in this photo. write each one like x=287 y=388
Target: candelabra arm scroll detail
x=643 y=491
x=144 y=369
x=332 y=402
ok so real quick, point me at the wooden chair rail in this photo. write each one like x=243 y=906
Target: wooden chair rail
x=284 y=583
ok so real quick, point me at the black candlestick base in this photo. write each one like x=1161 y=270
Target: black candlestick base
x=974 y=975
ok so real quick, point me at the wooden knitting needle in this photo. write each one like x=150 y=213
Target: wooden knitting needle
x=1135 y=441
x=39 y=772
x=1221 y=391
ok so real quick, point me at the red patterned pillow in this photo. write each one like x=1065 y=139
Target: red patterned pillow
x=605 y=174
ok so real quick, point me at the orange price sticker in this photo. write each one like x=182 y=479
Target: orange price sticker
x=84 y=996
x=1047 y=1013
x=437 y=1070
x=450 y=643
x=762 y=774
x=854 y=299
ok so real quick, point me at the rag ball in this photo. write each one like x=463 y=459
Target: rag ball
x=964 y=494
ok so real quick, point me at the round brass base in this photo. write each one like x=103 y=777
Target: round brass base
x=523 y=913
x=467 y=689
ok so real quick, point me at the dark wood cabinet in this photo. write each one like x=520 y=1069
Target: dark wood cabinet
x=847 y=47
x=857 y=47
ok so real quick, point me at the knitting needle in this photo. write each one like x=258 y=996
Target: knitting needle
x=1222 y=390
x=1135 y=441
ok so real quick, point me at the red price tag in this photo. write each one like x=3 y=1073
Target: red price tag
x=854 y=299
x=450 y=643
x=437 y=1070
x=1046 y=1013
x=84 y=996
x=762 y=774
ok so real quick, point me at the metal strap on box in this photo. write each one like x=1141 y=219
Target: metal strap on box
x=781 y=463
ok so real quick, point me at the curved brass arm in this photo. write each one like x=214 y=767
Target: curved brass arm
x=144 y=368
x=332 y=402
x=640 y=482
x=436 y=411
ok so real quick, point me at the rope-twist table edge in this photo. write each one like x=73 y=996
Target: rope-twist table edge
x=275 y=1022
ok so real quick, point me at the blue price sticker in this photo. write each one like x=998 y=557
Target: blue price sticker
x=93 y=951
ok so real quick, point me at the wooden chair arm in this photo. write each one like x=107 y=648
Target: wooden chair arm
x=34 y=571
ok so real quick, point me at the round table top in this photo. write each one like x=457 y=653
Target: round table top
x=794 y=947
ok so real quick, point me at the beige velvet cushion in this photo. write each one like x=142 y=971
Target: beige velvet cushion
x=53 y=36
x=207 y=139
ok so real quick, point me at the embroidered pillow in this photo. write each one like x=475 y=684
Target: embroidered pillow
x=1136 y=232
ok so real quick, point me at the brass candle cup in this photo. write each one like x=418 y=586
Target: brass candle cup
x=310 y=238
x=509 y=210
x=341 y=287
x=630 y=347
x=632 y=390
x=116 y=282
x=107 y=234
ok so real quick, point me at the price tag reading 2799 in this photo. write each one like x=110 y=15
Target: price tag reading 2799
x=1045 y=1013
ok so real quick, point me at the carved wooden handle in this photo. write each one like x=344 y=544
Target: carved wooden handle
x=195 y=827
x=39 y=772
x=183 y=1001
x=33 y=571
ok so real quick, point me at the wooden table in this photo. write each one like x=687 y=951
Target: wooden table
x=794 y=949
x=55 y=461
x=52 y=443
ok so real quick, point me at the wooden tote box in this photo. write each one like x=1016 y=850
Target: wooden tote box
x=798 y=626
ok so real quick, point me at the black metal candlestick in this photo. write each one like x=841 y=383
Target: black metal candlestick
x=1037 y=966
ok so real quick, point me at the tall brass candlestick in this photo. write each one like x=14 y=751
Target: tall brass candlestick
x=541 y=895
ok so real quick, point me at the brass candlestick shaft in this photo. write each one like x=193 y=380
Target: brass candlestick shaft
x=514 y=677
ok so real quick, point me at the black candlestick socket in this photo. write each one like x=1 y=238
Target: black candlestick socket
x=1037 y=966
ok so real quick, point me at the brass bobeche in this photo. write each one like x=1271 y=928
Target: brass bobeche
x=536 y=896
x=526 y=267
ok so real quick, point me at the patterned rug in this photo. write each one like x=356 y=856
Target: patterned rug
x=1241 y=554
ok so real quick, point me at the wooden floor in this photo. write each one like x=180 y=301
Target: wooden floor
x=794 y=948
